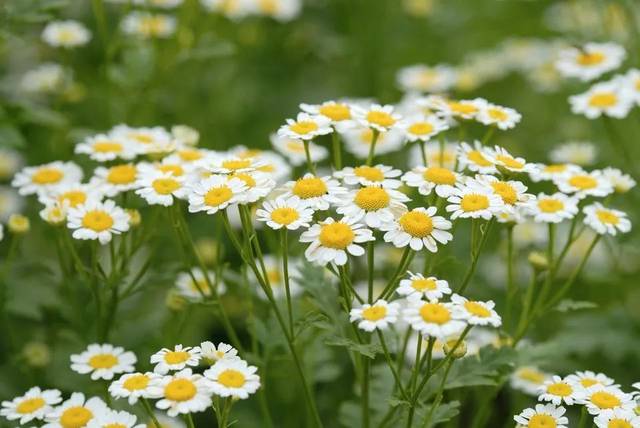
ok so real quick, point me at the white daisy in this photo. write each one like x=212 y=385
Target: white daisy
x=167 y=166
x=605 y=98
x=544 y=415
x=66 y=34
x=161 y=188
x=104 y=148
x=502 y=117
x=528 y=379
x=71 y=194
x=617 y=418
x=434 y=319
x=502 y=158
x=116 y=179
x=378 y=117
x=583 y=184
x=133 y=386
x=606 y=220
x=378 y=315
x=149 y=25
x=35 y=404
x=590 y=61
x=115 y=419
x=186 y=134
x=557 y=391
x=598 y=398
x=54 y=213
x=580 y=153
x=461 y=109
x=418 y=228
x=231 y=164
x=213 y=353
x=103 y=361
x=290 y=213
x=258 y=185
x=316 y=192
x=339 y=113
x=550 y=172
x=216 y=193
x=294 y=151
x=474 y=202
x=379 y=175
x=426 y=79
x=588 y=379
x=97 y=220
x=76 y=412
x=475 y=158
x=145 y=140
x=475 y=312
x=233 y=378
x=176 y=359
x=195 y=290
x=306 y=127
x=620 y=181
x=372 y=205
x=46 y=78
x=333 y=241
x=513 y=193
x=184 y=392
x=358 y=141
x=422 y=127
x=552 y=208
x=427 y=179
x=417 y=286
x=35 y=179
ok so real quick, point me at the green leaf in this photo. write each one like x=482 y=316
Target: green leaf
x=367 y=349
x=572 y=305
x=484 y=369
x=443 y=413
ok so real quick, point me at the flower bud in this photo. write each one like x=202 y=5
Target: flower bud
x=134 y=217
x=538 y=261
x=37 y=354
x=207 y=249
x=175 y=301
x=459 y=351
x=54 y=214
x=18 y=224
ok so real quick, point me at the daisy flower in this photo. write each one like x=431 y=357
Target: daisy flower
x=306 y=127
x=290 y=213
x=160 y=188
x=529 y=379
x=316 y=192
x=502 y=117
x=97 y=220
x=116 y=179
x=553 y=172
x=258 y=185
x=66 y=34
x=422 y=127
x=45 y=79
x=605 y=98
x=434 y=319
x=417 y=286
x=375 y=316
x=35 y=179
x=133 y=386
x=606 y=220
x=113 y=418
x=617 y=418
x=620 y=181
x=359 y=139
x=233 y=378
x=552 y=208
x=590 y=61
x=379 y=175
x=588 y=379
x=598 y=398
x=195 y=290
x=475 y=312
x=462 y=109
x=54 y=213
x=427 y=179
x=213 y=353
x=502 y=158
x=557 y=391
x=513 y=193
x=378 y=117
x=373 y=205
x=103 y=361
x=580 y=153
x=184 y=392
x=186 y=134
x=339 y=113
x=583 y=184
x=35 y=404
x=418 y=228
x=166 y=166
x=474 y=202
x=103 y=148
x=189 y=156
x=149 y=25
x=426 y=79
x=544 y=415
x=216 y=193
x=294 y=151
x=71 y=194
x=231 y=164
x=76 y=412
x=475 y=158
x=333 y=241
x=176 y=359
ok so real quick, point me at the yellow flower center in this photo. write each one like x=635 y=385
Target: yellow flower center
x=583 y=182
x=607 y=217
x=231 y=378
x=555 y=168
x=165 y=186
x=142 y=138
x=506 y=192
x=510 y=162
x=416 y=224
x=249 y=181
x=531 y=375
x=605 y=400
x=217 y=196
x=374 y=313
x=311 y=187
x=435 y=313
x=97 y=220
x=441 y=158
x=180 y=390
x=75 y=417
x=47 y=176
x=477 y=309
x=30 y=405
x=236 y=164
x=587 y=382
x=114 y=425
x=372 y=198
x=73 y=197
x=103 y=361
x=550 y=205
x=176 y=357
x=152 y=25
x=478 y=158
x=497 y=114
x=380 y=118
x=190 y=155
x=284 y=215
x=107 y=147
x=603 y=100
x=370 y=173
x=274 y=277
x=462 y=108
x=619 y=423
x=176 y=170
x=422 y=284
x=439 y=175
x=542 y=421
x=136 y=382
x=200 y=286
x=474 y=202
x=295 y=146
x=303 y=127
x=122 y=174
x=561 y=389
x=588 y=59
x=336 y=235
x=421 y=128
x=336 y=112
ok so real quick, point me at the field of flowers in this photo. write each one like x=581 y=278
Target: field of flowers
x=319 y=213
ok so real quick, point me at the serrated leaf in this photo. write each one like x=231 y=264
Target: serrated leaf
x=443 y=413
x=367 y=349
x=483 y=369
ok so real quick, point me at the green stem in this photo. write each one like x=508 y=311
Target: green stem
x=405 y=261
x=307 y=153
x=370 y=262
x=149 y=411
x=365 y=391
x=439 y=394
x=391 y=364
x=510 y=283
x=190 y=423
x=285 y=271
x=488 y=134
x=372 y=147
x=475 y=256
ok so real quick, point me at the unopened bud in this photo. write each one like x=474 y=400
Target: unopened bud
x=37 y=354
x=459 y=351
x=538 y=261
x=18 y=224
x=134 y=217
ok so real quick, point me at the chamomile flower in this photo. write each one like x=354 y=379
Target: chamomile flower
x=605 y=98
x=149 y=25
x=46 y=78
x=54 y=213
x=419 y=286
x=35 y=179
x=223 y=351
x=166 y=166
x=143 y=139
x=285 y=212
x=116 y=179
x=161 y=188
x=104 y=148
x=434 y=319
x=258 y=185
x=134 y=386
x=617 y=418
x=475 y=312
x=112 y=418
x=474 y=202
x=502 y=158
x=606 y=220
x=379 y=175
x=426 y=79
x=502 y=117
x=233 y=378
x=553 y=172
x=422 y=127
x=581 y=153
x=419 y=228
x=590 y=61
x=316 y=192
x=97 y=220
x=372 y=205
x=462 y=109
x=339 y=113
x=76 y=412
x=552 y=208
x=475 y=158
x=216 y=193
x=588 y=379
x=620 y=181
x=294 y=150
x=358 y=141
x=598 y=398
x=35 y=404
x=66 y=34
x=305 y=127
x=557 y=391
x=377 y=117
x=333 y=241
x=184 y=392
x=529 y=379
x=232 y=164
x=544 y=415
x=194 y=285
x=583 y=184
x=376 y=316
x=432 y=178
x=103 y=361
x=176 y=359
x=512 y=192
x=71 y=194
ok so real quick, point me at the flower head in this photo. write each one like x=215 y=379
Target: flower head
x=377 y=315
x=184 y=392
x=133 y=386
x=606 y=220
x=103 y=361
x=97 y=220
x=175 y=359
x=333 y=241
x=418 y=228
x=35 y=404
x=419 y=286
x=76 y=412
x=290 y=213
x=433 y=318
x=590 y=61
x=66 y=34
x=543 y=415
